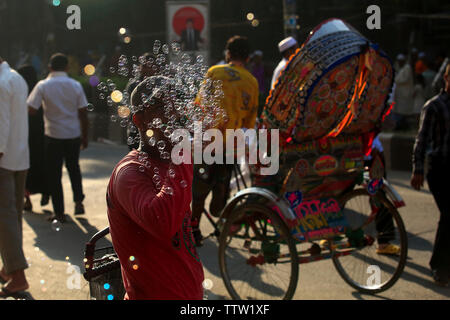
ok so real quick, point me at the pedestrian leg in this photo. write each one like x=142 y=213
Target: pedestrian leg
x=72 y=158
x=54 y=151
x=20 y=178
x=440 y=259
x=10 y=236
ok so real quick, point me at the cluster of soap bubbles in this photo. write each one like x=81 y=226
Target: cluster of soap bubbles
x=188 y=96
x=187 y=82
x=161 y=182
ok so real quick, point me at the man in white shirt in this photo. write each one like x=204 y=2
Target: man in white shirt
x=14 y=163
x=287 y=48
x=403 y=95
x=66 y=130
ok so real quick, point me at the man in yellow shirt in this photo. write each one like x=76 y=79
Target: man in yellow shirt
x=239 y=102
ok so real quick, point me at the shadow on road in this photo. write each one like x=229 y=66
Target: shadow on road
x=69 y=241
x=360 y=296
x=249 y=278
x=418 y=243
x=426 y=282
x=397 y=183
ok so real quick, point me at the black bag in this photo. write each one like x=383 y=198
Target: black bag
x=102 y=270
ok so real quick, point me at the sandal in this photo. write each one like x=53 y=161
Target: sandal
x=5 y=293
x=3 y=280
x=390 y=249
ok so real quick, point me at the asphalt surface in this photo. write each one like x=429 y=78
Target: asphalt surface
x=55 y=252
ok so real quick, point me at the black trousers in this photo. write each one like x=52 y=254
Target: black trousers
x=438 y=177
x=59 y=151
x=384 y=222
x=215 y=178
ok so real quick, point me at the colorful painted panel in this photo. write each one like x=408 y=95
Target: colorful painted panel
x=338 y=82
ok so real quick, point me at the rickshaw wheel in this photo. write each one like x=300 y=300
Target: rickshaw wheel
x=365 y=268
x=257 y=254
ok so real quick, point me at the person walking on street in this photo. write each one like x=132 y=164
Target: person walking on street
x=14 y=163
x=403 y=95
x=433 y=140
x=240 y=103
x=36 y=177
x=66 y=131
x=287 y=48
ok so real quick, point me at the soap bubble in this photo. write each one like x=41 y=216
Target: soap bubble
x=123 y=112
x=116 y=96
x=90 y=107
x=169 y=190
x=161 y=145
x=186 y=58
x=157 y=123
x=165 y=49
x=207 y=284
x=156 y=47
x=149 y=133
x=124 y=123
x=156 y=178
x=200 y=59
x=165 y=155
x=56 y=225
x=176 y=48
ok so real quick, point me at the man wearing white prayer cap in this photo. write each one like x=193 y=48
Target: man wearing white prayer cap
x=287 y=48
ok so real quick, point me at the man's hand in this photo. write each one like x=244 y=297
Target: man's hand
x=84 y=122
x=1 y=155
x=84 y=143
x=32 y=111
x=417 y=181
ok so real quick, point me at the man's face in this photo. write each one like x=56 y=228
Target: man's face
x=145 y=122
x=147 y=70
x=189 y=24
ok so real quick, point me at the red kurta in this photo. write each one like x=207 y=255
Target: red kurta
x=151 y=231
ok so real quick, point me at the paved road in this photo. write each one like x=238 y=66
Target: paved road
x=55 y=255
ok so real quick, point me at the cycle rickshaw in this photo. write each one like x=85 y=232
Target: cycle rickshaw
x=328 y=105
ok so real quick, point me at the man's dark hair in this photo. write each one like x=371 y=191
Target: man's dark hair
x=147 y=56
x=238 y=48
x=58 y=62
